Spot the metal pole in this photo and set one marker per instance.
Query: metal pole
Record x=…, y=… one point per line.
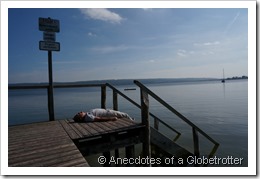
x=50, y=89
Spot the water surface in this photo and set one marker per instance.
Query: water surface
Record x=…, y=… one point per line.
x=221, y=110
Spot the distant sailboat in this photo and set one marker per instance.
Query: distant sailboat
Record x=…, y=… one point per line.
x=223, y=80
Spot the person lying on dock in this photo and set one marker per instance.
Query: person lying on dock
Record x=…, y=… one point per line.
x=99, y=115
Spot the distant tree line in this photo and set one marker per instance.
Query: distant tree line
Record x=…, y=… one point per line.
x=237, y=77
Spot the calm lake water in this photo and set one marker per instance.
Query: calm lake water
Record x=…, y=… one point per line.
x=221, y=110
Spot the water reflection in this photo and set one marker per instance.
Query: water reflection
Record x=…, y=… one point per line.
x=224, y=89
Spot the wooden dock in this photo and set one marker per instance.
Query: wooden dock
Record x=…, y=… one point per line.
x=62, y=143
x=65, y=142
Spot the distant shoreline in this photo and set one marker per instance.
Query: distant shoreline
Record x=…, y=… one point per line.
x=130, y=81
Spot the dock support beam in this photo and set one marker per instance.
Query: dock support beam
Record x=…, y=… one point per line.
x=146, y=122
x=107, y=157
x=130, y=153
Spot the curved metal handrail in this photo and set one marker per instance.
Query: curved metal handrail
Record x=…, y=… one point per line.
x=139, y=106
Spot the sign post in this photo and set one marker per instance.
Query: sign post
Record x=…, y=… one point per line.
x=49, y=26
x=50, y=89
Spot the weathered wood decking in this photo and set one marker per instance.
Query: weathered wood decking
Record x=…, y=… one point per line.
x=40, y=145
x=51, y=144
x=78, y=131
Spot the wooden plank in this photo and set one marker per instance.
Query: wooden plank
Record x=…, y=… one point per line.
x=90, y=130
x=116, y=127
x=81, y=164
x=104, y=127
x=119, y=123
x=71, y=124
x=34, y=146
x=33, y=142
x=73, y=134
x=36, y=133
x=40, y=158
x=111, y=125
x=46, y=150
x=28, y=127
x=43, y=144
x=42, y=136
x=72, y=163
x=56, y=161
x=124, y=128
x=125, y=122
x=93, y=129
x=83, y=131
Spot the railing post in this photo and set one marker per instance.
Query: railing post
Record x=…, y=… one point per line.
x=145, y=121
x=115, y=107
x=156, y=123
x=196, y=142
x=115, y=100
x=103, y=96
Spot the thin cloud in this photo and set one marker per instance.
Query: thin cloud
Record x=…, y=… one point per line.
x=182, y=53
x=90, y=34
x=207, y=43
x=110, y=49
x=102, y=14
x=232, y=22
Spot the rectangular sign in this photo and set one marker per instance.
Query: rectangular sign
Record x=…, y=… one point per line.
x=49, y=46
x=49, y=25
x=49, y=36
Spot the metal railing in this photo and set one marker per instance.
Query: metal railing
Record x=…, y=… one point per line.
x=145, y=92
x=116, y=92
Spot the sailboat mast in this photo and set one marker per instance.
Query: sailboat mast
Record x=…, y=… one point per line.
x=223, y=80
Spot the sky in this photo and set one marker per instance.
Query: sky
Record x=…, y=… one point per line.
x=134, y=43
